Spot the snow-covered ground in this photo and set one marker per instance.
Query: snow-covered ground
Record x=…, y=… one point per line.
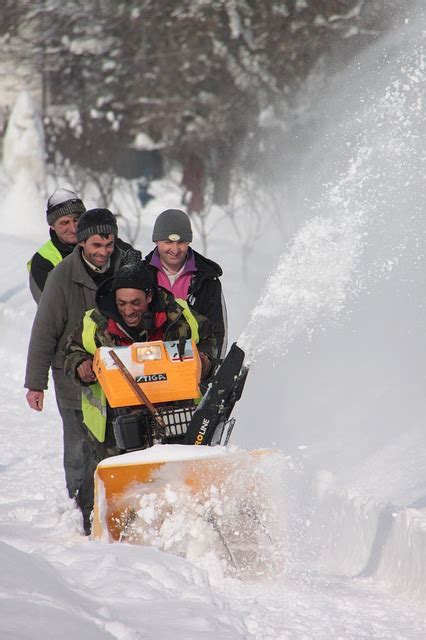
x=56, y=583
x=337, y=381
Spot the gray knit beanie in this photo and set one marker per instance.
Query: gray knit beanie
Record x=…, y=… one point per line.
x=63, y=202
x=172, y=224
x=96, y=222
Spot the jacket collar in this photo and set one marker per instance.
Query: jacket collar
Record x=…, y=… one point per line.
x=204, y=267
x=64, y=248
x=188, y=267
x=80, y=274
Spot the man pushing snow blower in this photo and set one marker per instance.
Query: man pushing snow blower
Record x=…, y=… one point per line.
x=129, y=309
x=140, y=357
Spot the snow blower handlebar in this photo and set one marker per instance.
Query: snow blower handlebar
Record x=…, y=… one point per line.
x=136, y=388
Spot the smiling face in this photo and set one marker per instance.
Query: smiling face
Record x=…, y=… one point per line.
x=132, y=304
x=65, y=228
x=172, y=254
x=98, y=249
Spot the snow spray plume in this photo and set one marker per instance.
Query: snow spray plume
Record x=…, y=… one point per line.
x=321, y=270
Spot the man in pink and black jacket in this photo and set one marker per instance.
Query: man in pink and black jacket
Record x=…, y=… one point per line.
x=186, y=273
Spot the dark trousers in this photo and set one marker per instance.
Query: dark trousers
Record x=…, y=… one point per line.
x=74, y=436
x=94, y=452
x=82, y=453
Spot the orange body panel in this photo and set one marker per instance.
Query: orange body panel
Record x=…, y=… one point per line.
x=164, y=380
x=114, y=483
x=110, y=485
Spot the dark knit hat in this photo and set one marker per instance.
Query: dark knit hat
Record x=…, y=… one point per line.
x=94, y=222
x=172, y=224
x=63, y=202
x=135, y=275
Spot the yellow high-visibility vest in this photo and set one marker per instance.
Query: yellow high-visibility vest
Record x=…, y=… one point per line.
x=190, y=318
x=50, y=253
x=93, y=400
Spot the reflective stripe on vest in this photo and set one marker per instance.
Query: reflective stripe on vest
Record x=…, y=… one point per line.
x=190, y=318
x=93, y=400
x=193, y=325
x=49, y=252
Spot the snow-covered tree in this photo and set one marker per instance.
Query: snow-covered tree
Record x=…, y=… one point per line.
x=195, y=75
x=23, y=164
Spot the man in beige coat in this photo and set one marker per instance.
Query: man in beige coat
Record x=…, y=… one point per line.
x=69, y=292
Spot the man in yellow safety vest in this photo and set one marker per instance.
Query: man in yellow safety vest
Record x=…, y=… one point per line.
x=130, y=308
x=64, y=208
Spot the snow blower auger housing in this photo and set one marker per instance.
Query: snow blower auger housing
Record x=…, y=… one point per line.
x=153, y=390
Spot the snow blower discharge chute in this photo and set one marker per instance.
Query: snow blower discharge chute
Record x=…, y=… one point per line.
x=153, y=390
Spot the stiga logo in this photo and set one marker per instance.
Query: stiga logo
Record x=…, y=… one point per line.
x=153, y=377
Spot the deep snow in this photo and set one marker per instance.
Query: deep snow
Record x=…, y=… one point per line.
x=56, y=583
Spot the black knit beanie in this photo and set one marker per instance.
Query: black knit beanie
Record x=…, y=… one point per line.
x=172, y=224
x=133, y=276
x=63, y=202
x=94, y=222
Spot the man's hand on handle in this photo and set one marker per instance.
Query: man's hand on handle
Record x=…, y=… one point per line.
x=205, y=364
x=85, y=371
x=35, y=399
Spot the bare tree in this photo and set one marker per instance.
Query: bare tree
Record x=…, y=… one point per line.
x=196, y=77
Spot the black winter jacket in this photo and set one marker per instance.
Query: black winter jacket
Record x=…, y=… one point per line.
x=205, y=296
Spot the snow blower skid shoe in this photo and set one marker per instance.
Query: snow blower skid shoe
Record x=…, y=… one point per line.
x=158, y=386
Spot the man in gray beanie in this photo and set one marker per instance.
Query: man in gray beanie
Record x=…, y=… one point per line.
x=64, y=207
x=172, y=222
x=69, y=292
x=186, y=273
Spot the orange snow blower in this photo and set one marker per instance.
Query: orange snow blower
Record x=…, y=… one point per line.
x=153, y=390
x=161, y=369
